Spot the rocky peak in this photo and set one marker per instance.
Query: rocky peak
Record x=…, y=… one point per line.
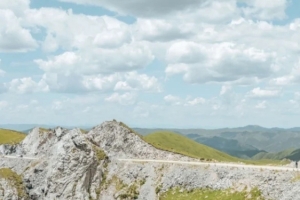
x=119, y=141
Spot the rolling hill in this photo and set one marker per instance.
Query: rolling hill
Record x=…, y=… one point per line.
x=10, y=137
x=177, y=143
x=291, y=154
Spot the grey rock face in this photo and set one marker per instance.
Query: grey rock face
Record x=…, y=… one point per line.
x=118, y=141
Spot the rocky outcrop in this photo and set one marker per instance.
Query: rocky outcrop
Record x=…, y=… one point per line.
x=117, y=140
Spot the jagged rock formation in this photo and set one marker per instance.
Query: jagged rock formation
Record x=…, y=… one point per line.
x=69, y=164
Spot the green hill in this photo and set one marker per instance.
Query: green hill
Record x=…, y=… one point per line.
x=292, y=154
x=173, y=142
x=10, y=137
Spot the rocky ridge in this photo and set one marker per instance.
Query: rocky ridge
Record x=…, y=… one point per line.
x=70, y=164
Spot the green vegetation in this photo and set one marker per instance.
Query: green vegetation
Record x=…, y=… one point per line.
x=177, y=143
x=11, y=137
x=43, y=131
x=124, y=191
x=83, y=131
x=14, y=180
x=291, y=154
x=274, y=156
x=100, y=154
x=173, y=142
x=296, y=178
x=208, y=194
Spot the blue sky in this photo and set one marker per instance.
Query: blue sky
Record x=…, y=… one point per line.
x=172, y=64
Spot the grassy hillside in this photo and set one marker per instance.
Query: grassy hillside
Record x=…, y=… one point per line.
x=177, y=143
x=173, y=142
x=264, y=139
x=10, y=137
x=292, y=154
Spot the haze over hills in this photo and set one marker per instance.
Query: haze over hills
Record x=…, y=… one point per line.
x=243, y=142
x=27, y=127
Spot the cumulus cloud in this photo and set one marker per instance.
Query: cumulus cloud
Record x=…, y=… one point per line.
x=53, y=82
x=175, y=100
x=26, y=85
x=17, y=6
x=62, y=29
x=263, y=93
x=196, y=101
x=123, y=99
x=13, y=37
x=131, y=81
x=225, y=89
x=261, y=105
x=160, y=30
x=98, y=61
x=218, y=62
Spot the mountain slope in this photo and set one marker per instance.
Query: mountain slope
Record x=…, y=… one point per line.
x=73, y=164
x=229, y=146
x=10, y=137
x=292, y=154
x=173, y=142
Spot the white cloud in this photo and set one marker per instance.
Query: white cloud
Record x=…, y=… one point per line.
x=13, y=37
x=196, y=101
x=135, y=81
x=17, y=6
x=175, y=100
x=261, y=105
x=63, y=31
x=263, y=93
x=225, y=89
x=95, y=60
x=122, y=82
x=223, y=62
x=123, y=99
x=160, y=30
x=26, y=85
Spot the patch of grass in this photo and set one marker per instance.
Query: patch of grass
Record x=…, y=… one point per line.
x=100, y=154
x=296, y=178
x=176, y=194
x=14, y=180
x=83, y=131
x=10, y=137
x=274, y=156
x=176, y=143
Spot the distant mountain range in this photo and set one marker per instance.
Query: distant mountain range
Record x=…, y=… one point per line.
x=27, y=127
x=243, y=142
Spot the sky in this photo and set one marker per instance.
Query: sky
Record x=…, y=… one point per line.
x=167, y=64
